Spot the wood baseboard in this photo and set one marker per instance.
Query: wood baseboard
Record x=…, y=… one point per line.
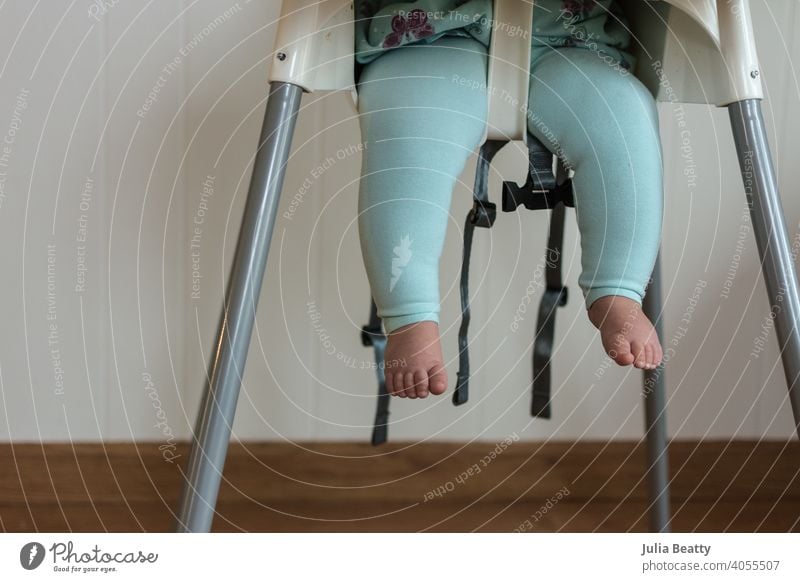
x=734, y=486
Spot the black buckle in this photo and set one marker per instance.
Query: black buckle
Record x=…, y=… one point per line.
x=528, y=196
x=483, y=214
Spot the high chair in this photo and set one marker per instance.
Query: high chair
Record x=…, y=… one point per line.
x=693, y=51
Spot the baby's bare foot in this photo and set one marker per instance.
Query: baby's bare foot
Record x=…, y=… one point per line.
x=413, y=361
x=628, y=336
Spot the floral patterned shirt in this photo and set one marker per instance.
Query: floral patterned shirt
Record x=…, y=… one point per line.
x=383, y=25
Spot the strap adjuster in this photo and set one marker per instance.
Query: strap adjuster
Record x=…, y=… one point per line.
x=483, y=213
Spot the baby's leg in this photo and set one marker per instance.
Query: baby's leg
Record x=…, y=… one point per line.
x=423, y=112
x=604, y=123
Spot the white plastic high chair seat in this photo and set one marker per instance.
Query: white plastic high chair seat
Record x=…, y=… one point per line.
x=687, y=51
x=693, y=51
x=316, y=51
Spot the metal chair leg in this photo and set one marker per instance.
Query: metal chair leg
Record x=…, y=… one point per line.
x=654, y=391
x=761, y=188
x=214, y=424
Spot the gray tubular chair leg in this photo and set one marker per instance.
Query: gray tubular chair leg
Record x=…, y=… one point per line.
x=213, y=430
x=654, y=392
x=761, y=188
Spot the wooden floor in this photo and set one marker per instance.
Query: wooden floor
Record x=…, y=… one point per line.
x=576, y=487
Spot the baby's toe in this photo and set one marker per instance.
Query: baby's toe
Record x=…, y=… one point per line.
x=655, y=358
x=408, y=384
x=639, y=355
x=437, y=379
x=421, y=382
x=649, y=357
x=620, y=351
x=399, y=389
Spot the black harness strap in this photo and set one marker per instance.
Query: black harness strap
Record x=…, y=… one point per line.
x=555, y=296
x=482, y=214
x=544, y=190
x=372, y=335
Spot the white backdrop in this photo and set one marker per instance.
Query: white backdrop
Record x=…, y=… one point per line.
x=129, y=131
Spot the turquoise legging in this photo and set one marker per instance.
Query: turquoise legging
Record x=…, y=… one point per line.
x=423, y=111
